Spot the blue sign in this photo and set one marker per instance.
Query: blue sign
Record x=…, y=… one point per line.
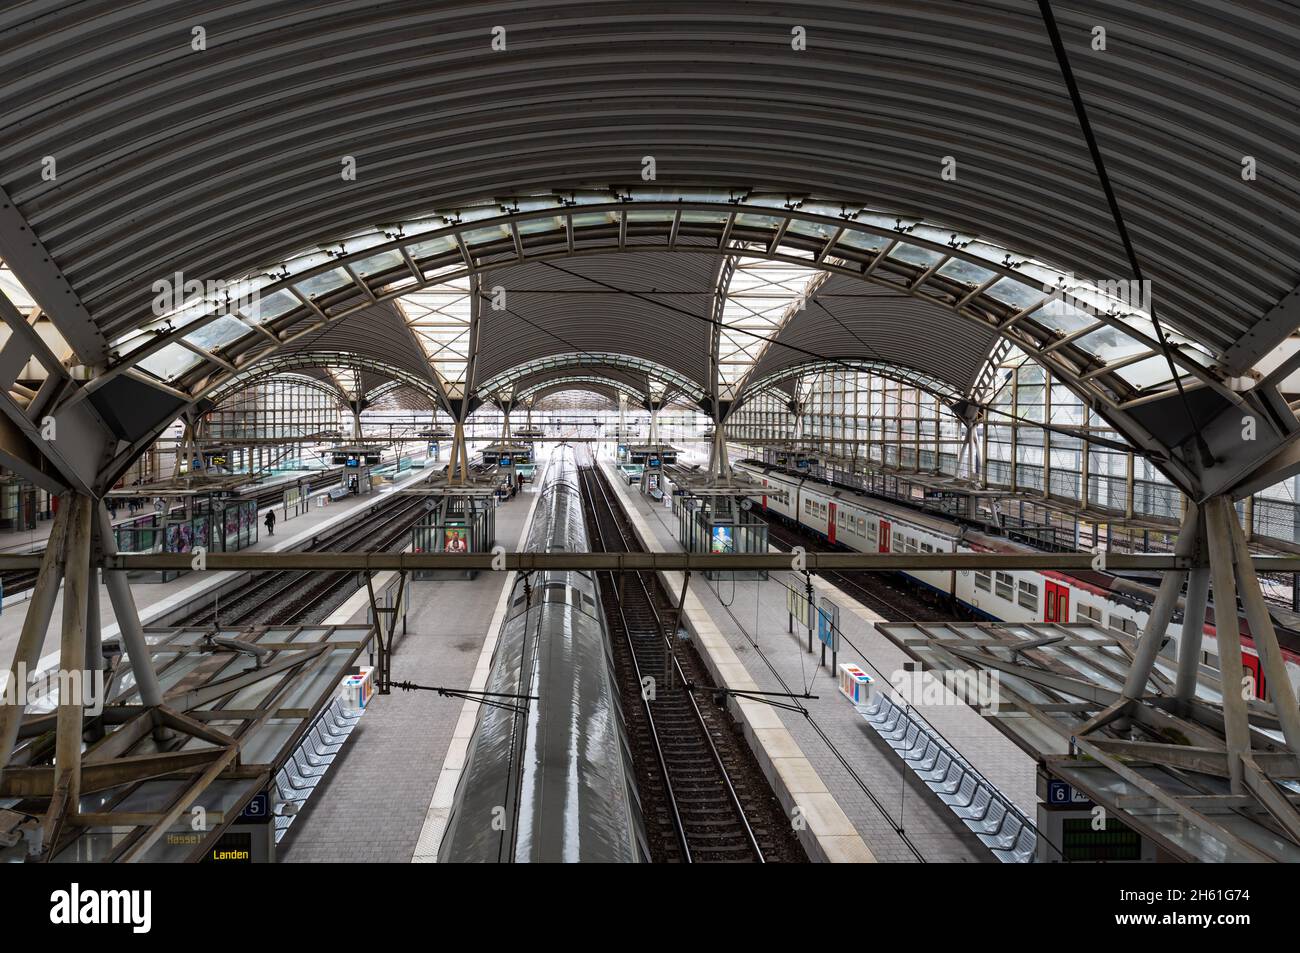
x=828, y=624
x=257, y=810
x=505, y=461
x=1060, y=792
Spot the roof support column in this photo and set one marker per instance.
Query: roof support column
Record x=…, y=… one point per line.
x=1265, y=637
x=719, y=463
x=128, y=619
x=1235, y=724
x=31, y=639
x=1162, y=612
x=1189, y=650
x=72, y=665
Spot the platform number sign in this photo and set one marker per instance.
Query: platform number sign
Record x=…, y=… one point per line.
x=257, y=810
x=1060, y=794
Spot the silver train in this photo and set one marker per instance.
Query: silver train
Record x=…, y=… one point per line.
x=551, y=780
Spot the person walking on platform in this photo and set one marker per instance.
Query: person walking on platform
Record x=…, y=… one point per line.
x=270, y=522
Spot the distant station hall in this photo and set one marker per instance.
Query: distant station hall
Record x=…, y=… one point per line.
x=672, y=433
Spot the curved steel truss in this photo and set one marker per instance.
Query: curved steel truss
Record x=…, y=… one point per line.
x=931, y=385
x=661, y=382
x=604, y=386
x=1099, y=343
x=298, y=360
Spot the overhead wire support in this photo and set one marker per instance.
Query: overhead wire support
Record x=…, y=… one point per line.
x=473, y=695
x=766, y=698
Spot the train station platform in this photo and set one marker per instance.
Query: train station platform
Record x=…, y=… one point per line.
x=879, y=794
x=19, y=542
x=158, y=601
x=383, y=800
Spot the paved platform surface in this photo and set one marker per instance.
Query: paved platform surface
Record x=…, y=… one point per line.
x=155, y=599
x=752, y=616
x=373, y=803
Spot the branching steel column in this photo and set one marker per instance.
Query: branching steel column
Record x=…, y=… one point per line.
x=36, y=624
x=1218, y=512
x=1261, y=630
x=1162, y=612
x=72, y=663
x=1189, y=651
x=128, y=618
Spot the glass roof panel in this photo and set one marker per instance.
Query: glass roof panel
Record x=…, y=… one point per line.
x=324, y=283
x=170, y=361
x=1142, y=374
x=762, y=296
x=915, y=255
x=1016, y=293
x=439, y=317
x=1063, y=317
x=272, y=306
x=962, y=270
x=862, y=241
x=1109, y=344
x=218, y=333
x=13, y=289
x=384, y=261
x=432, y=247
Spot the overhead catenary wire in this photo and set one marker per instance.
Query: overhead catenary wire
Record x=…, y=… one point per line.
x=1081, y=112
x=808, y=717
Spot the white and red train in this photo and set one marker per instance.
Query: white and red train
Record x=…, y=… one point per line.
x=859, y=522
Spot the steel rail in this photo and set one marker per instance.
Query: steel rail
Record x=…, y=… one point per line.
x=695, y=708
x=678, y=825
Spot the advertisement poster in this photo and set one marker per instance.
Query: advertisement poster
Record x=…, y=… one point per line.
x=454, y=540
x=722, y=540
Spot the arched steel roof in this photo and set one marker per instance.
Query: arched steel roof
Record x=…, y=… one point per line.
x=642, y=376
x=606, y=387
x=225, y=162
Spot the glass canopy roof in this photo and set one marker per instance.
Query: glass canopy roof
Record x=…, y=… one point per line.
x=761, y=297
x=425, y=264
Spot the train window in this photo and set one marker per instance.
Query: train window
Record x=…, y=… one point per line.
x=862, y=527
x=1029, y=596
x=1089, y=613
x=841, y=520
x=1006, y=586
x=898, y=543
x=911, y=545
x=983, y=580
x=1122, y=625
x=927, y=548
x=871, y=531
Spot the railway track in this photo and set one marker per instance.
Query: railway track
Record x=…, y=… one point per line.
x=704, y=797
x=284, y=596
